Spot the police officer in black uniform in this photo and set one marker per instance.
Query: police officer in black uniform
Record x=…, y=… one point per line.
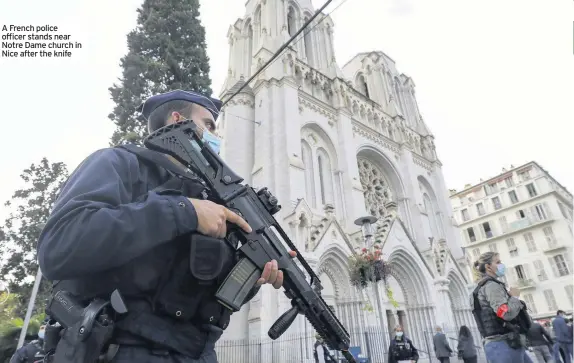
x=31, y=352
x=320, y=352
x=124, y=223
x=401, y=348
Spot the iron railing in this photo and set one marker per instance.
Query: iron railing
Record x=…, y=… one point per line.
x=298, y=348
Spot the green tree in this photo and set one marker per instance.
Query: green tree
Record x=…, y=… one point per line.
x=30, y=207
x=166, y=51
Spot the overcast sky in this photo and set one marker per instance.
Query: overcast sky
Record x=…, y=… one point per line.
x=494, y=77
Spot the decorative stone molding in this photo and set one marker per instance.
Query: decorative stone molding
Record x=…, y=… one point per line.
x=422, y=163
x=315, y=107
x=242, y=100
x=375, y=137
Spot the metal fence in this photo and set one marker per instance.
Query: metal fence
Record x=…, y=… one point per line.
x=298, y=348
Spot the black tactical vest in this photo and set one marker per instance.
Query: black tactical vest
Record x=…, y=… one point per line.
x=169, y=291
x=488, y=323
x=403, y=349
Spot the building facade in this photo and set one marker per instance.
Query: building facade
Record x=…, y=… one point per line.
x=335, y=144
x=526, y=216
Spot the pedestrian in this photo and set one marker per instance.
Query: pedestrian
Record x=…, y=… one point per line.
x=466, y=349
x=441, y=347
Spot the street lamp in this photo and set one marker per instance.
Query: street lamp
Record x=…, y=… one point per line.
x=367, y=227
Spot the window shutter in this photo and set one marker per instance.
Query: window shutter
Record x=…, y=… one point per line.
x=513, y=275
x=527, y=271
x=482, y=233
x=568, y=260
x=554, y=267
x=547, y=210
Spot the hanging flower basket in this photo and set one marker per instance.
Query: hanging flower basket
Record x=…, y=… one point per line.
x=367, y=267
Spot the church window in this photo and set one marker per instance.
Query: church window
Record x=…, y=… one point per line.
x=376, y=188
x=291, y=27
x=398, y=95
x=249, y=49
x=325, y=177
x=308, y=46
x=471, y=235
x=363, y=88
x=309, y=173
x=431, y=215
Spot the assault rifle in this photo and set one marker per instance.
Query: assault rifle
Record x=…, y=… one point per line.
x=181, y=141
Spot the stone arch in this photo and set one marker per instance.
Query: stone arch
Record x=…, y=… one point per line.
x=248, y=32
x=324, y=157
x=334, y=263
x=362, y=85
x=459, y=301
x=433, y=214
x=408, y=273
x=293, y=17
x=456, y=290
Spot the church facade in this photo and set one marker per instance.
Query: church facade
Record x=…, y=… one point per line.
x=334, y=144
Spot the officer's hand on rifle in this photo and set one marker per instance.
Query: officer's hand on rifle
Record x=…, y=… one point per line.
x=212, y=221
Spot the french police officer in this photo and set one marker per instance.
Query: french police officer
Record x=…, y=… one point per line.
x=123, y=223
x=499, y=314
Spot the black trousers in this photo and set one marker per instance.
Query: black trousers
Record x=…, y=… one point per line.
x=470, y=360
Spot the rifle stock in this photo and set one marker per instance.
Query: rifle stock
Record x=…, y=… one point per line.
x=262, y=245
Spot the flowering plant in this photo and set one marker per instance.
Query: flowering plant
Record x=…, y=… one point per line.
x=368, y=266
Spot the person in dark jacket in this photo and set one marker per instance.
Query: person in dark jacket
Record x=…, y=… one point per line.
x=499, y=308
x=401, y=348
x=540, y=342
x=123, y=223
x=466, y=349
x=442, y=349
x=31, y=352
x=563, y=336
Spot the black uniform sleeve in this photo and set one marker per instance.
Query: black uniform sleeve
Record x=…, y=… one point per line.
x=96, y=224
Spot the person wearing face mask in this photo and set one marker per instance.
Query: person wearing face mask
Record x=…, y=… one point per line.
x=32, y=352
x=500, y=315
x=401, y=348
x=125, y=220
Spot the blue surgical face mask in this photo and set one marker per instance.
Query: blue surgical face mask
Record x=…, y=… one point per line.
x=500, y=270
x=213, y=141
x=41, y=334
x=399, y=334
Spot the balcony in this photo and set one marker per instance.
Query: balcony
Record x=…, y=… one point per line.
x=554, y=246
x=525, y=284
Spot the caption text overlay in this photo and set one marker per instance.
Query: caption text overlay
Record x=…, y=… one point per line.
x=37, y=41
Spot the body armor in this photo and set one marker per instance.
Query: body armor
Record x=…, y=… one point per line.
x=403, y=350
x=488, y=323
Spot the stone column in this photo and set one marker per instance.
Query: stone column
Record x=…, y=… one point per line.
x=445, y=317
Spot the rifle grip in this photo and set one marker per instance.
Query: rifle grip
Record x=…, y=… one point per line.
x=238, y=284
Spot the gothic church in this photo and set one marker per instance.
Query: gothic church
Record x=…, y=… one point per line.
x=335, y=144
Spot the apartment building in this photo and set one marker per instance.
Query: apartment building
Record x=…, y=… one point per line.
x=525, y=215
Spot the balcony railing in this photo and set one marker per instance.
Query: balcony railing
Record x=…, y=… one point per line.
x=553, y=246
x=525, y=283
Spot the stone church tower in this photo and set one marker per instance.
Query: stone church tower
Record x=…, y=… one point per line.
x=335, y=144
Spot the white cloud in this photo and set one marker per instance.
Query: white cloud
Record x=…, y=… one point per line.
x=494, y=78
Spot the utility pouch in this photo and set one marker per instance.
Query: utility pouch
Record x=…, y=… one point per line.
x=514, y=340
x=52, y=336
x=210, y=259
x=72, y=347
